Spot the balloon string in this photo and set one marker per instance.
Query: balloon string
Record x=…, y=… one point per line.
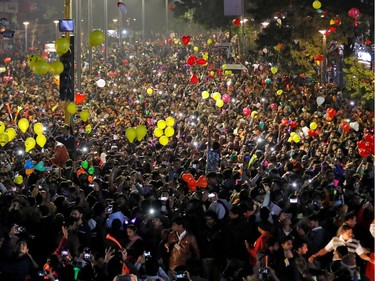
x=10, y=111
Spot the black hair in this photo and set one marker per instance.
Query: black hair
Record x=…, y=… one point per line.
x=179, y=220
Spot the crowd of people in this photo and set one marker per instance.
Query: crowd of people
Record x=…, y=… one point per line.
x=233, y=195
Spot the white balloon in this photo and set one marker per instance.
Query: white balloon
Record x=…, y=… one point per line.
x=354, y=126
x=320, y=100
x=100, y=83
x=305, y=131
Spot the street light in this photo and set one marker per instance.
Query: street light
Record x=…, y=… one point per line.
x=56, y=32
x=26, y=23
x=324, y=63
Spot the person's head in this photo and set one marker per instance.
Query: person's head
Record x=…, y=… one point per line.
x=264, y=226
x=300, y=246
x=340, y=252
x=345, y=231
x=313, y=221
x=178, y=224
x=211, y=218
x=286, y=243
x=350, y=219
x=131, y=230
x=77, y=213
x=272, y=244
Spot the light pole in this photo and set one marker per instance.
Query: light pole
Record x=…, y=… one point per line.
x=166, y=19
x=89, y=29
x=56, y=22
x=106, y=29
x=26, y=23
x=143, y=22
x=324, y=62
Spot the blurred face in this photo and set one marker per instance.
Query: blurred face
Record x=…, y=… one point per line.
x=130, y=232
x=303, y=250
x=347, y=234
x=76, y=214
x=288, y=245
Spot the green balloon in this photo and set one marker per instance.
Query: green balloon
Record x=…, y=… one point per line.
x=91, y=170
x=85, y=164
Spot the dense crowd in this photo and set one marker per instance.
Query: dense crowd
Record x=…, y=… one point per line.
x=269, y=186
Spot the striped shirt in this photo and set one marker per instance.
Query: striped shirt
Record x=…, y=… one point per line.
x=353, y=245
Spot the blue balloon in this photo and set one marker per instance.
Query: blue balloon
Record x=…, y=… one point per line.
x=29, y=164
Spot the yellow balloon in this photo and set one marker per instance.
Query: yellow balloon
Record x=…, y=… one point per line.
x=169, y=121
x=40, y=67
x=11, y=132
x=29, y=144
x=205, y=94
x=163, y=140
x=85, y=114
x=212, y=73
x=149, y=91
x=216, y=96
x=56, y=67
x=38, y=128
x=2, y=127
x=296, y=138
x=141, y=132
x=88, y=129
x=224, y=66
x=96, y=38
x=130, y=134
x=72, y=108
x=169, y=131
x=219, y=103
x=254, y=114
x=33, y=58
x=41, y=140
x=196, y=49
x=4, y=139
x=161, y=124
x=279, y=92
x=62, y=45
x=158, y=132
x=209, y=41
x=316, y=4
x=274, y=70
x=313, y=126
x=23, y=124
x=205, y=56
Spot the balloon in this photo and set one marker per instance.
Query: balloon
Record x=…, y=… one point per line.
x=158, y=132
x=284, y=121
x=96, y=38
x=205, y=94
x=369, y=138
x=7, y=60
x=141, y=132
x=331, y=112
x=185, y=39
x=254, y=114
x=40, y=167
x=191, y=60
x=56, y=67
x=279, y=92
x=246, y=111
x=23, y=124
x=345, y=127
x=29, y=144
x=40, y=67
x=62, y=45
x=193, y=79
x=273, y=106
x=192, y=184
x=163, y=140
x=219, y=103
x=354, y=13
x=226, y=98
x=274, y=70
x=91, y=170
x=216, y=96
x=169, y=131
x=29, y=164
x=293, y=124
x=2, y=127
x=85, y=164
x=161, y=124
x=196, y=49
x=85, y=114
x=4, y=139
x=296, y=138
x=122, y=7
x=18, y=179
x=100, y=83
x=72, y=108
x=311, y=133
x=363, y=153
x=88, y=128
x=38, y=128
x=268, y=80
x=11, y=133
x=130, y=134
x=354, y=126
x=149, y=91
x=316, y=5
x=41, y=140
x=170, y=121
x=209, y=41
x=236, y=22
x=320, y=100
x=202, y=182
x=56, y=80
x=90, y=178
x=79, y=98
x=33, y=58
x=201, y=61
x=313, y=126
x=186, y=177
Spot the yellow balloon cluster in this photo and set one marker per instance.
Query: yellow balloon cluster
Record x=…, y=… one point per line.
x=167, y=126
x=294, y=137
x=6, y=135
x=139, y=132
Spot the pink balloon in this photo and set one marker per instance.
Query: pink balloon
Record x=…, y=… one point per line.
x=246, y=111
x=273, y=106
x=354, y=13
x=225, y=98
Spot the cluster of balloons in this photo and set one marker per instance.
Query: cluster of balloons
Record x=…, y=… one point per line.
x=193, y=60
x=6, y=135
x=294, y=137
x=164, y=130
x=139, y=132
x=366, y=145
x=30, y=167
x=86, y=168
x=41, y=139
x=192, y=183
x=41, y=67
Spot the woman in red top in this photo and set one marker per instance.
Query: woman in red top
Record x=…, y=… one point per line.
x=260, y=243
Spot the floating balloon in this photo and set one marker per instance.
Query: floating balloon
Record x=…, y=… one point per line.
x=91, y=170
x=246, y=111
x=279, y=92
x=219, y=103
x=141, y=132
x=193, y=79
x=41, y=140
x=62, y=45
x=56, y=67
x=169, y=131
x=11, y=133
x=122, y=7
x=186, y=177
x=40, y=167
x=38, y=128
x=201, y=61
x=162, y=124
x=158, y=132
x=273, y=106
x=185, y=39
x=100, y=83
x=23, y=124
x=316, y=5
x=88, y=128
x=4, y=139
x=202, y=182
x=192, y=184
x=354, y=13
x=274, y=70
x=196, y=49
x=236, y=22
x=268, y=80
x=319, y=57
x=85, y=164
x=209, y=41
x=313, y=126
x=33, y=58
x=191, y=60
x=163, y=140
x=85, y=114
x=331, y=112
x=40, y=67
x=320, y=100
x=296, y=138
x=216, y=96
x=72, y=108
x=96, y=38
x=130, y=134
x=254, y=114
x=226, y=98
x=7, y=60
x=205, y=94
x=79, y=98
x=29, y=144
x=345, y=127
x=170, y=121
x=2, y=127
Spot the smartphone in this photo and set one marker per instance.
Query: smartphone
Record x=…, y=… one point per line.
x=64, y=253
x=180, y=275
x=43, y=272
x=20, y=229
x=211, y=195
x=109, y=209
x=293, y=200
x=86, y=254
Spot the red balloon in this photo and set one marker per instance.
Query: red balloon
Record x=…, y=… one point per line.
x=201, y=61
x=194, y=79
x=246, y=111
x=186, y=177
x=202, y=182
x=363, y=153
x=337, y=21
x=331, y=112
x=311, y=133
x=185, y=39
x=192, y=184
x=354, y=13
x=191, y=60
x=236, y=22
x=346, y=127
x=170, y=7
x=7, y=60
x=225, y=98
x=293, y=124
x=170, y=41
x=368, y=42
x=369, y=138
x=361, y=144
x=273, y=106
x=125, y=62
x=79, y=98
x=319, y=57
x=332, y=29
x=284, y=122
